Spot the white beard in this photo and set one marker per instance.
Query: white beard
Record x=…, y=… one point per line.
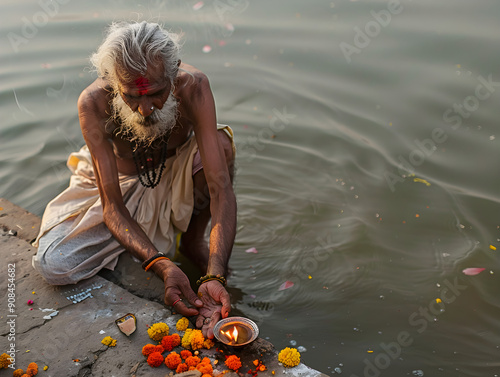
x=141, y=130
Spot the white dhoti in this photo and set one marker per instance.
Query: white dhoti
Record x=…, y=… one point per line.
x=74, y=243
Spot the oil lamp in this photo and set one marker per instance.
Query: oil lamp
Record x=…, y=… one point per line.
x=236, y=331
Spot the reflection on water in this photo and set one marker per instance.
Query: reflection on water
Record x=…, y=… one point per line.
x=368, y=185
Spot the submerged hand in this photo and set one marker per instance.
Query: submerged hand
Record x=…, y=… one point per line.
x=177, y=287
x=216, y=304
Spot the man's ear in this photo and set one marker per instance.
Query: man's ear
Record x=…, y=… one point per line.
x=178, y=62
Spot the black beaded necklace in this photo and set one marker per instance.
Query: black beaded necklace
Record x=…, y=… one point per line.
x=149, y=176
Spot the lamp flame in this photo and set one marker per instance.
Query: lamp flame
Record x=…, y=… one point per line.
x=231, y=336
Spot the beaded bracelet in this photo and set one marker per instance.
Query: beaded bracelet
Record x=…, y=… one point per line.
x=151, y=261
x=221, y=279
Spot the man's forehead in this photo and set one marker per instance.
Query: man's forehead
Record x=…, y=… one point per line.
x=143, y=84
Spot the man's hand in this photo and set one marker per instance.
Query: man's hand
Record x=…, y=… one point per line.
x=177, y=287
x=216, y=304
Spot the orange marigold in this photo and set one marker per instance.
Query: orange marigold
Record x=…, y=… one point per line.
x=32, y=369
x=5, y=361
x=173, y=360
x=207, y=375
x=208, y=343
x=18, y=373
x=155, y=359
x=159, y=348
x=205, y=360
x=148, y=349
x=181, y=368
x=233, y=362
x=170, y=341
x=205, y=368
x=25, y=375
x=185, y=354
x=193, y=361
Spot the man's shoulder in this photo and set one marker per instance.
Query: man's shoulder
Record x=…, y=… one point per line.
x=95, y=97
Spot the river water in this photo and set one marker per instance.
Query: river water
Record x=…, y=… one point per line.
x=367, y=168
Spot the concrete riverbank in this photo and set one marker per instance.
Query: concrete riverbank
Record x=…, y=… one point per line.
x=63, y=327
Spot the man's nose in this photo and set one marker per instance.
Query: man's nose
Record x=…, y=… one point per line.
x=146, y=108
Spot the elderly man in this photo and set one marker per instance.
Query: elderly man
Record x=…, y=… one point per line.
x=155, y=163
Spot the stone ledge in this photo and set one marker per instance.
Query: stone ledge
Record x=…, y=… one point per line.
x=81, y=315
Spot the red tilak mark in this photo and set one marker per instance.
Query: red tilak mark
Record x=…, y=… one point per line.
x=142, y=84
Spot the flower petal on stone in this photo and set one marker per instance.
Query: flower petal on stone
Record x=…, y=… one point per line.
x=252, y=250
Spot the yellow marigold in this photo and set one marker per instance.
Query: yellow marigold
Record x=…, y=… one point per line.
x=186, y=339
x=18, y=373
x=208, y=343
x=182, y=324
x=197, y=339
x=109, y=341
x=32, y=369
x=289, y=357
x=157, y=331
x=5, y=360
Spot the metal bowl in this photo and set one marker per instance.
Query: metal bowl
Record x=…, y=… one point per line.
x=236, y=321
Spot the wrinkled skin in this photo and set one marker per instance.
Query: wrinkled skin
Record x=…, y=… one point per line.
x=216, y=305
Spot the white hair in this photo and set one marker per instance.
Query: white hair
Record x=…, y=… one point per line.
x=130, y=48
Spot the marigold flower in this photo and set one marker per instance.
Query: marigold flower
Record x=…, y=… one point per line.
x=157, y=331
x=109, y=341
x=155, y=359
x=186, y=339
x=32, y=369
x=233, y=362
x=205, y=368
x=170, y=341
x=173, y=360
x=197, y=339
x=205, y=360
x=182, y=324
x=289, y=357
x=193, y=361
x=261, y=368
x=148, y=349
x=185, y=354
x=207, y=375
x=159, y=348
x=182, y=368
x=5, y=361
x=208, y=344
x=18, y=373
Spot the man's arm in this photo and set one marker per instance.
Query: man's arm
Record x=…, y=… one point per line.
x=222, y=198
x=115, y=214
x=215, y=298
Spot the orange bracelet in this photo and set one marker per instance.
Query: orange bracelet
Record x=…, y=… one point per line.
x=153, y=262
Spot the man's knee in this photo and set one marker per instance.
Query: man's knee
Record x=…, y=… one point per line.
x=227, y=145
x=52, y=265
